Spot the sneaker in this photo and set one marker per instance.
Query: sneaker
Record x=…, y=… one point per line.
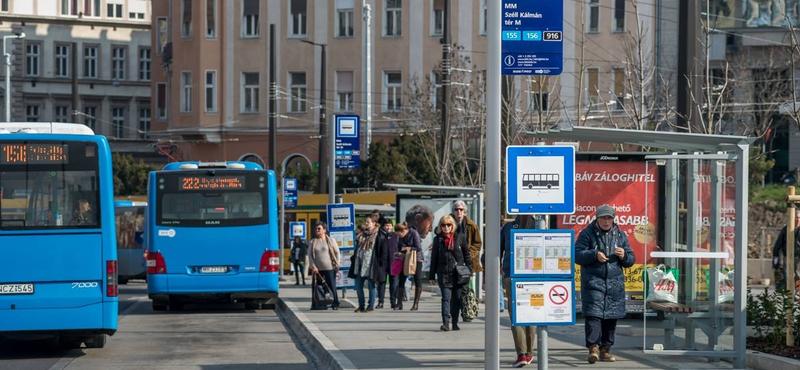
x=379, y=305
x=358, y=310
x=529, y=359
x=521, y=361
x=370, y=309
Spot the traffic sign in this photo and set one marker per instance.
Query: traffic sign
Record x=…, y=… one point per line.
x=540, y=179
x=298, y=228
x=538, y=302
x=532, y=37
x=341, y=217
x=289, y=193
x=348, y=146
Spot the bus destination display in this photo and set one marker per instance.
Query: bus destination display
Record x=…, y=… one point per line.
x=34, y=154
x=211, y=183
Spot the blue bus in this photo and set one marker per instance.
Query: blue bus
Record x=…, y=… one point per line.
x=129, y=216
x=211, y=234
x=59, y=276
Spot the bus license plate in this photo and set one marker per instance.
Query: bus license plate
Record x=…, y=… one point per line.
x=213, y=269
x=16, y=289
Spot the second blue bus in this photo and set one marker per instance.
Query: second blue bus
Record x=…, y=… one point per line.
x=212, y=234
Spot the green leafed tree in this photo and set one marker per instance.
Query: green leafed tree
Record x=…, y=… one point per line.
x=130, y=176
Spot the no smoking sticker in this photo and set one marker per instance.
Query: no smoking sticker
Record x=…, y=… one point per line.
x=540, y=302
x=559, y=295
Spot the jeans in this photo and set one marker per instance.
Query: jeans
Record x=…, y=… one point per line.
x=360, y=291
x=451, y=302
x=392, y=290
x=523, y=335
x=298, y=271
x=330, y=278
x=599, y=331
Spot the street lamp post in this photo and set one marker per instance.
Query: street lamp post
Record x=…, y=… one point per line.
x=16, y=35
x=322, y=120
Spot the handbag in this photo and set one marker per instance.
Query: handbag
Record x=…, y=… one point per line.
x=322, y=293
x=464, y=274
x=410, y=263
x=397, y=267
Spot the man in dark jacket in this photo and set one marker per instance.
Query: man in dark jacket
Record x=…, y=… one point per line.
x=602, y=251
x=779, y=255
x=386, y=233
x=297, y=256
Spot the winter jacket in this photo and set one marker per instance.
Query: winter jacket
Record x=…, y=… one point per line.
x=470, y=229
x=444, y=262
x=602, y=284
x=303, y=250
x=413, y=240
x=379, y=257
x=392, y=247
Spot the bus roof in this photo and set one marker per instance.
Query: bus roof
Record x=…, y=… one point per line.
x=45, y=128
x=176, y=166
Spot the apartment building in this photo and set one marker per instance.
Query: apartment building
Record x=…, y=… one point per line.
x=211, y=94
x=85, y=61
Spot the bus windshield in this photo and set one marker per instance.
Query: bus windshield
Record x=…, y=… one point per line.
x=207, y=201
x=49, y=191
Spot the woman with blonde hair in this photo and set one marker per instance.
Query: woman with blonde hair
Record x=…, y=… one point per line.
x=450, y=250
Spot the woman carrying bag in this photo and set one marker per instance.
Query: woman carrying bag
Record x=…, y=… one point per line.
x=323, y=256
x=451, y=263
x=410, y=245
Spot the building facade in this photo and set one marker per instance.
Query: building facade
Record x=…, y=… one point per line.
x=82, y=61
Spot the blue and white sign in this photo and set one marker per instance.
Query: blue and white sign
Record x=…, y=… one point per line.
x=348, y=145
x=532, y=39
x=540, y=179
x=543, y=254
x=341, y=217
x=289, y=193
x=298, y=228
x=538, y=302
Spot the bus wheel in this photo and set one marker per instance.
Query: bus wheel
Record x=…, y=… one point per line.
x=69, y=342
x=252, y=305
x=158, y=306
x=176, y=306
x=96, y=341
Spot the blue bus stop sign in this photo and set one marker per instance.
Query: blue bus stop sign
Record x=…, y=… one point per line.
x=540, y=179
x=348, y=145
x=290, y=193
x=533, y=37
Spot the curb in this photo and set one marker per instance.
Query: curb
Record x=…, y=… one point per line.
x=326, y=354
x=763, y=361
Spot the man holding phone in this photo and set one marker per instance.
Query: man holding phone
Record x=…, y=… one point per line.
x=602, y=251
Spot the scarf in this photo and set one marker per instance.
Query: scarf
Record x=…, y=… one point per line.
x=448, y=241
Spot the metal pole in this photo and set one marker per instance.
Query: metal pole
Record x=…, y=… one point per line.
x=322, y=120
x=493, y=150
x=688, y=51
x=445, y=72
x=75, y=91
x=8, y=80
x=740, y=259
x=790, y=284
x=692, y=180
x=273, y=113
x=541, y=344
x=368, y=74
x=283, y=215
x=332, y=163
x=671, y=212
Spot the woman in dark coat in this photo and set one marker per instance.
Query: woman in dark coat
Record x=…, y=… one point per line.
x=449, y=250
x=602, y=251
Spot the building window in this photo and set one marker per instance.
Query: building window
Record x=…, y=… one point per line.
x=436, y=89
x=91, y=8
x=344, y=91
x=32, y=54
x=163, y=34
x=69, y=7
x=62, y=60
x=250, y=18
x=144, y=64
x=114, y=10
x=297, y=22
x=211, y=19
x=32, y=113
x=90, y=117
x=393, y=18
x=118, y=122
x=344, y=18
x=298, y=92
x=211, y=91
x=118, y=63
x=4, y=6
x=250, y=92
x=619, y=15
x=539, y=97
x=594, y=15
x=484, y=17
x=90, y=62
x=437, y=18
x=186, y=92
x=61, y=113
x=392, y=87
x=540, y=100
x=592, y=80
x=144, y=123
x=161, y=100
x=186, y=20
x=619, y=88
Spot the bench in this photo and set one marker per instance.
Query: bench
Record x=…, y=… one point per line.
x=690, y=319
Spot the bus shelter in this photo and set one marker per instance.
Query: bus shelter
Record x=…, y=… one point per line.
x=696, y=265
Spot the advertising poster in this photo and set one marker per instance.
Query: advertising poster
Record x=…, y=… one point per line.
x=543, y=302
x=631, y=188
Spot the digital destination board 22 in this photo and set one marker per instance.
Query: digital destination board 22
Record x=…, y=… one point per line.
x=34, y=154
x=211, y=183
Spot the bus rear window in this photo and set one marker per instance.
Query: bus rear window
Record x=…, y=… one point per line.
x=211, y=209
x=44, y=194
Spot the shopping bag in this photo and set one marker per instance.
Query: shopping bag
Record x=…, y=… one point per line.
x=725, y=287
x=469, y=304
x=663, y=286
x=410, y=263
x=397, y=267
